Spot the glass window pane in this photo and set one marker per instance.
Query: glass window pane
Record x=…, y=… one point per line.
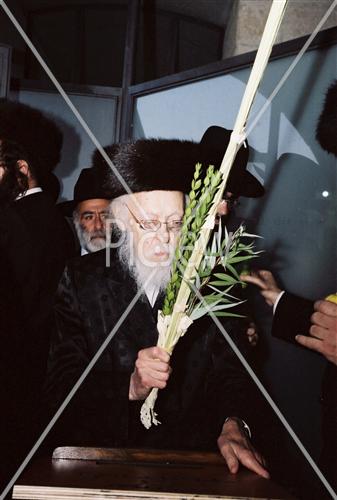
x=56, y=36
x=177, y=36
x=82, y=44
x=104, y=33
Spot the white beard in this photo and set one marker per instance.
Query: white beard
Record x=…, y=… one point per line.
x=86, y=241
x=160, y=272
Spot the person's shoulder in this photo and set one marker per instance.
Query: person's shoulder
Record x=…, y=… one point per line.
x=94, y=262
x=35, y=207
x=292, y=303
x=34, y=200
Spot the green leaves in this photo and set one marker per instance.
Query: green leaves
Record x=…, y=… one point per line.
x=225, y=252
x=200, y=200
x=217, y=272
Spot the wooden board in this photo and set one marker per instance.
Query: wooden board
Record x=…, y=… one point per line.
x=39, y=493
x=137, y=455
x=139, y=474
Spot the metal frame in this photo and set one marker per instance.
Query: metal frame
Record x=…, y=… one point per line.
x=176, y=20
x=85, y=90
x=324, y=38
x=80, y=10
x=5, y=69
x=128, y=94
x=128, y=69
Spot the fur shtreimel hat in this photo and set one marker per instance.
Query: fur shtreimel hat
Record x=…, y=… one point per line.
x=326, y=131
x=169, y=164
x=151, y=164
x=38, y=135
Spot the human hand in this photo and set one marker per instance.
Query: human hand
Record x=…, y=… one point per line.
x=236, y=448
x=266, y=281
x=152, y=369
x=323, y=331
x=252, y=334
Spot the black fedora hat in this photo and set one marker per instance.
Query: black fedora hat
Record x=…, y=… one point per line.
x=213, y=144
x=327, y=123
x=91, y=185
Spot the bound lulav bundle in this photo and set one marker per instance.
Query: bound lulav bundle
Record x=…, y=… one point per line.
x=185, y=300
x=190, y=266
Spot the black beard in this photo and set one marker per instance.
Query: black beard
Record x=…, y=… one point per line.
x=11, y=185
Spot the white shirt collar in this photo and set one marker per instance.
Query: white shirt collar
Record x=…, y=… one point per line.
x=28, y=192
x=151, y=293
x=83, y=251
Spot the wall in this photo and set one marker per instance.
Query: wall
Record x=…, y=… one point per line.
x=98, y=112
x=297, y=215
x=248, y=18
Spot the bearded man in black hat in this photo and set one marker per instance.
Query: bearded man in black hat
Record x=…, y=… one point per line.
x=35, y=242
x=89, y=209
x=207, y=397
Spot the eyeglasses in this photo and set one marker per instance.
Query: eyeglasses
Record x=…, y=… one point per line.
x=154, y=225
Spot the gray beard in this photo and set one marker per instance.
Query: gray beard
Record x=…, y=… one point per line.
x=86, y=241
x=160, y=273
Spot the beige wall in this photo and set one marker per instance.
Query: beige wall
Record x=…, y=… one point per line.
x=248, y=18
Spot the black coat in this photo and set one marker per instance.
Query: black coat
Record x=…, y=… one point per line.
x=35, y=242
x=207, y=383
x=292, y=317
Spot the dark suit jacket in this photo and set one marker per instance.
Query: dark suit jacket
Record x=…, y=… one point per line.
x=34, y=245
x=207, y=384
x=292, y=317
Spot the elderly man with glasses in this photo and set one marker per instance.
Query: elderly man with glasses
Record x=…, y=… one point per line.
x=207, y=397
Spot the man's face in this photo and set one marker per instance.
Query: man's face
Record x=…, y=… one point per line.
x=90, y=217
x=146, y=211
x=227, y=204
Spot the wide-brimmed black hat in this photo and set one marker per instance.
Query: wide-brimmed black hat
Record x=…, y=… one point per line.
x=326, y=130
x=240, y=182
x=91, y=184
